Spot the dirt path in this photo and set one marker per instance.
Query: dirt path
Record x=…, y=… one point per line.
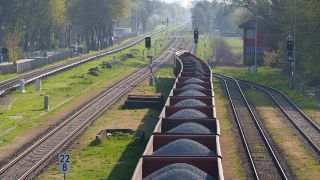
x=231, y=159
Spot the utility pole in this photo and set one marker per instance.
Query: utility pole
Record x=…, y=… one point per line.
x=256, y=42
x=294, y=44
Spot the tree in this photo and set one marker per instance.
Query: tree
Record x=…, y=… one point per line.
x=202, y=15
x=278, y=19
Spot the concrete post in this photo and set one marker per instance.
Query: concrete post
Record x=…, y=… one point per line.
x=46, y=103
x=22, y=86
x=151, y=80
x=38, y=85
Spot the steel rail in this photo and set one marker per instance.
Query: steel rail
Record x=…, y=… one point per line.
x=265, y=139
x=267, y=90
x=132, y=79
x=286, y=97
x=12, y=84
x=244, y=140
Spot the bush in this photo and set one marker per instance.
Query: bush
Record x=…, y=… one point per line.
x=223, y=53
x=271, y=58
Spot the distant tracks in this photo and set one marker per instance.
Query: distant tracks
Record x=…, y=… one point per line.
x=12, y=84
x=261, y=156
x=308, y=129
x=30, y=161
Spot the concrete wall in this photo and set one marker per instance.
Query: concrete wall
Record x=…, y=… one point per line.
x=31, y=64
x=6, y=68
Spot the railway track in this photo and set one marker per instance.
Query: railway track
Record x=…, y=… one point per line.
x=190, y=47
x=12, y=84
x=261, y=156
x=33, y=159
x=307, y=128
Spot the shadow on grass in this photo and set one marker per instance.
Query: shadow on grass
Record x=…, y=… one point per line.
x=164, y=86
x=130, y=156
x=132, y=153
x=39, y=109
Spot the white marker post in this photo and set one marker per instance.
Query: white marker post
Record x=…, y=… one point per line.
x=64, y=164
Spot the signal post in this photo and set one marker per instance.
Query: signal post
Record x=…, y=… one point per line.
x=196, y=37
x=148, y=46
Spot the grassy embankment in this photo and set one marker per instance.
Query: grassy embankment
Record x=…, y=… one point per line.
x=231, y=161
x=4, y=77
x=302, y=164
x=115, y=158
x=25, y=111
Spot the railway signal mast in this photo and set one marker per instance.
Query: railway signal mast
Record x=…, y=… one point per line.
x=290, y=53
x=196, y=37
x=148, y=46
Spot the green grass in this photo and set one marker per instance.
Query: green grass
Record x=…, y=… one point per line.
x=4, y=77
x=118, y=157
x=27, y=109
x=300, y=161
x=205, y=50
x=227, y=132
x=236, y=44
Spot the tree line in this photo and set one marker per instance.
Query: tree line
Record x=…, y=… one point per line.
x=32, y=25
x=212, y=16
x=281, y=17
x=277, y=17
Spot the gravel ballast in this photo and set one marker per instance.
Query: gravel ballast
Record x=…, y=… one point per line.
x=189, y=114
x=191, y=93
x=179, y=171
x=190, y=128
x=190, y=102
x=189, y=59
x=184, y=147
x=194, y=80
x=192, y=86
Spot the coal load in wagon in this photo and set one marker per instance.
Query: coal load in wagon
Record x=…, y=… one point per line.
x=189, y=59
x=179, y=171
x=192, y=86
x=194, y=80
x=200, y=70
x=190, y=128
x=189, y=114
x=184, y=147
x=190, y=102
x=197, y=74
x=191, y=93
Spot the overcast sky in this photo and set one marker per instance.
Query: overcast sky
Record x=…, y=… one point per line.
x=185, y=3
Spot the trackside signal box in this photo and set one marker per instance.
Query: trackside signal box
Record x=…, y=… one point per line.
x=290, y=47
x=148, y=42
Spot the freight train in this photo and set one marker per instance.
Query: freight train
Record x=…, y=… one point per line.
x=186, y=140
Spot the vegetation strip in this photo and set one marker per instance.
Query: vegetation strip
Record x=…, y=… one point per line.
x=295, y=151
x=98, y=106
x=263, y=159
x=115, y=158
x=29, y=105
